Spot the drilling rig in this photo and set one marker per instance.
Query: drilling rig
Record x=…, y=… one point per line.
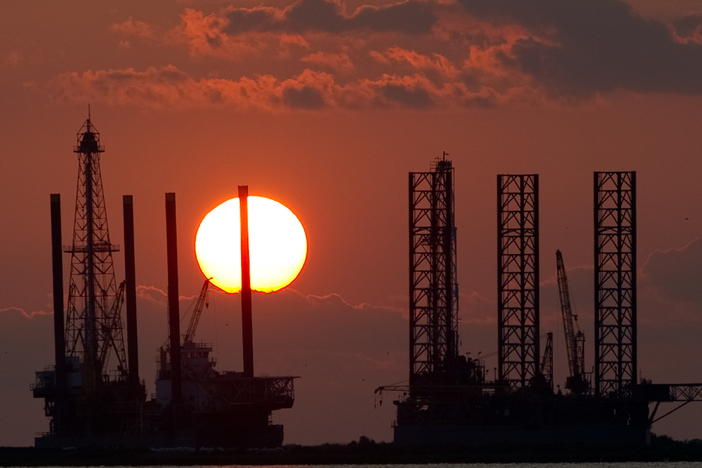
x=196, y=404
x=448, y=400
x=93, y=394
x=576, y=381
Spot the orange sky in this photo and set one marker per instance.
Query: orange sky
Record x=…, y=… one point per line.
x=326, y=110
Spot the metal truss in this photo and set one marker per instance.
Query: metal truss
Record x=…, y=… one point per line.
x=685, y=392
x=682, y=394
x=94, y=322
x=432, y=278
x=518, y=278
x=615, y=282
x=547, y=361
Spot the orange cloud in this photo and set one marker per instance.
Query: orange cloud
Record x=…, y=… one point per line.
x=409, y=16
x=133, y=28
x=169, y=87
x=340, y=61
x=434, y=63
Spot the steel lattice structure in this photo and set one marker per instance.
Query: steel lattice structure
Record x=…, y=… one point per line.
x=615, y=281
x=433, y=287
x=547, y=361
x=94, y=331
x=574, y=337
x=518, y=278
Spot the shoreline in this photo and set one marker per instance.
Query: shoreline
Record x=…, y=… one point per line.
x=361, y=453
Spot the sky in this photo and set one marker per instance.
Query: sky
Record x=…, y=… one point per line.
x=325, y=106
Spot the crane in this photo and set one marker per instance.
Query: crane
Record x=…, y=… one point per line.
x=198, y=307
x=547, y=361
x=574, y=337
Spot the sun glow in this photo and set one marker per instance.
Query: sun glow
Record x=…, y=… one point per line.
x=277, y=245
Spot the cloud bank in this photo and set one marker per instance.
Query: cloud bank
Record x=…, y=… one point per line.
x=415, y=54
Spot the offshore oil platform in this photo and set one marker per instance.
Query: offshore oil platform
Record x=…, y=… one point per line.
x=95, y=397
x=449, y=401
x=93, y=394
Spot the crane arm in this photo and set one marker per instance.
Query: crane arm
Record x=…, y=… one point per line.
x=547, y=360
x=200, y=304
x=568, y=318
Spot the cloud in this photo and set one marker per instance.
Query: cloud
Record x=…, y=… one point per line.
x=26, y=313
x=675, y=273
x=413, y=95
x=340, y=62
x=689, y=27
x=304, y=97
x=133, y=28
x=410, y=17
x=583, y=47
x=11, y=58
x=436, y=64
x=475, y=53
x=169, y=87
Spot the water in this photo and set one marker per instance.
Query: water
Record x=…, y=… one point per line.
x=464, y=465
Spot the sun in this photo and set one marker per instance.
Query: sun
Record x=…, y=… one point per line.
x=277, y=245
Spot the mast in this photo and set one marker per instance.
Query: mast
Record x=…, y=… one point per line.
x=94, y=331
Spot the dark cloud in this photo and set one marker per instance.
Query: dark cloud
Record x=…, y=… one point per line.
x=688, y=25
x=168, y=87
x=410, y=96
x=676, y=273
x=412, y=17
x=306, y=97
x=251, y=19
x=409, y=17
x=582, y=47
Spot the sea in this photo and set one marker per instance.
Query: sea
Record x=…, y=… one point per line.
x=658, y=464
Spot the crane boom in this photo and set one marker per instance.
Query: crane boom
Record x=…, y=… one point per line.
x=547, y=361
x=200, y=304
x=575, y=339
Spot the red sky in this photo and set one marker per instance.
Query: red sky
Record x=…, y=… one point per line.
x=326, y=106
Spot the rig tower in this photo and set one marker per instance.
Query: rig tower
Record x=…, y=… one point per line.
x=448, y=400
x=90, y=395
x=518, y=279
x=615, y=282
x=94, y=322
x=432, y=277
x=440, y=378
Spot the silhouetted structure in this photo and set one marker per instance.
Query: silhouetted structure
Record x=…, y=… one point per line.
x=615, y=282
x=93, y=395
x=546, y=368
x=130, y=292
x=196, y=405
x=576, y=381
x=449, y=401
x=440, y=377
x=246, y=317
x=89, y=394
x=433, y=288
x=518, y=279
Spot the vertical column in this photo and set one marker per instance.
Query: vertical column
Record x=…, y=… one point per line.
x=518, y=278
x=432, y=279
x=130, y=299
x=59, y=336
x=173, y=305
x=246, y=318
x=615, y=281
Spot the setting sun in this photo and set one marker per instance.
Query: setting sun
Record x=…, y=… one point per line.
x=277, y=243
